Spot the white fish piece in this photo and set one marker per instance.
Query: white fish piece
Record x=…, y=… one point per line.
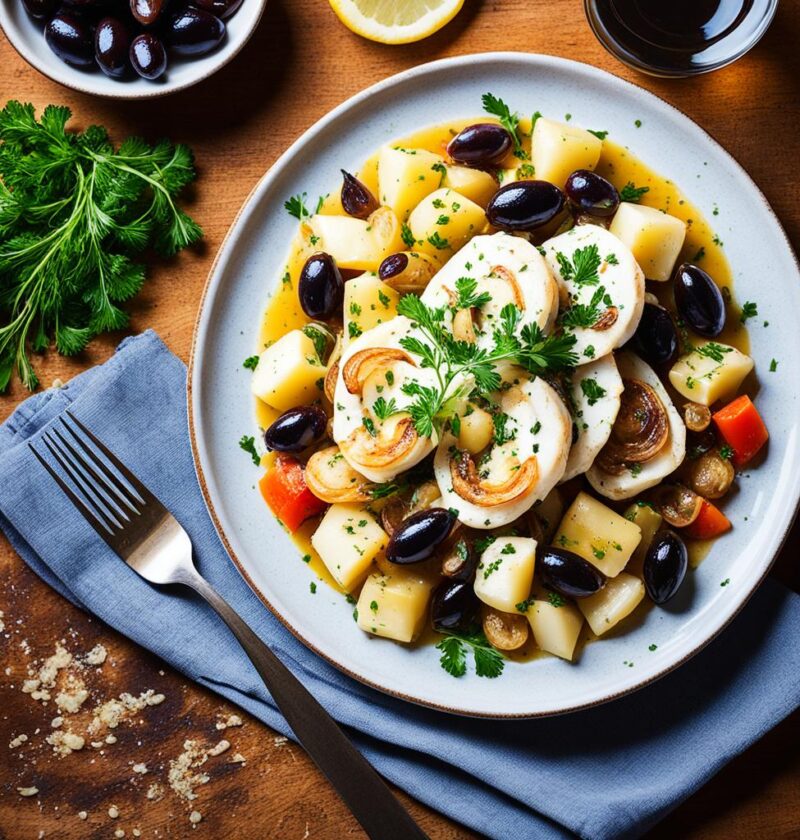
x=588, y=262
x=596, y=390
x=541, y=429
x=667, y=460
x=355, y=417
x=509, y=269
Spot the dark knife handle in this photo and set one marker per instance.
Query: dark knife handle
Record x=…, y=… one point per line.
x=352, y=776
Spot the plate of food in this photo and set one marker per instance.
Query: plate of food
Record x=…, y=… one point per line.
x=503, y=341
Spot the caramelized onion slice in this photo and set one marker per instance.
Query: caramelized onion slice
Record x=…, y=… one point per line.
x=696, y=417
x=500, y=272
x=393, y=444
x=359, y=366
x=606, y=320
x=472, y=488
x=329, y=386
x=679, y=505
x=330, y=478
x=504, y=630
x=463, y=326
x=640, y=431
x=711, y=475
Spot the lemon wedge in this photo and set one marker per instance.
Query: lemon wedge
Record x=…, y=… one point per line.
x=395, y=21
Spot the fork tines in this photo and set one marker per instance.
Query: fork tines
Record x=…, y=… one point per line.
x=104, y=490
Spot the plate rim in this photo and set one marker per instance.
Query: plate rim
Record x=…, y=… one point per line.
x=215, y=276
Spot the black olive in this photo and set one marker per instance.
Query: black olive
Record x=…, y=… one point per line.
x=656, y=338
x=525, y=205
x=70, y=38
x=40, y=9
x=418, y=536
x=321, y=288
x=111, y=47
x=357, y=200
x=296, y=429
x=221, y=8
x=194, y=32
x=454, y=605
x=569, y=574
x=482, y=144
x=699, y=300
x=665, y=566
x=147, y=12
x=590, y=193
x=148, y=56
x=392, y=266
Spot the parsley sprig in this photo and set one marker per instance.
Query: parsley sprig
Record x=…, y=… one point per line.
x=489, y=661
x=510, y=121
x=73, y=214
x=456, y=362
x=583, y=268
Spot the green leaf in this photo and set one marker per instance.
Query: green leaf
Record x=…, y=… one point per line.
x=630, y=192
x=248, y=444
x=454, y=656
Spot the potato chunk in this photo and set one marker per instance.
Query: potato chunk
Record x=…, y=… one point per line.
x=505, y=572
x=711, y=372
x=649, y=520
x=476, y=430
x=444, y=221
x=395, y=605
x=406, y=176
x=598, y=534
x=288, y=372
x=357, y=243
x=474, y=184
x=368, y=301
x=559, y=149
x=655, y=238
x=555, y=629
x=347, y=540
x=615, y=601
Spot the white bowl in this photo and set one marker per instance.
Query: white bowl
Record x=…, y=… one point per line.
x=250, y=262
x=27, y=37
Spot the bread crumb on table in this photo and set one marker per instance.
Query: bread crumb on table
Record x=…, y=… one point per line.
x=27, y=791
x=113, y=812
x=18, y=741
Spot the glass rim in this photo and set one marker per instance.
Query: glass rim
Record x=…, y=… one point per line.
x=613, y=48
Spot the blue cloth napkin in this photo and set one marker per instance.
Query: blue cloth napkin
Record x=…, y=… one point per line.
x=608, y=772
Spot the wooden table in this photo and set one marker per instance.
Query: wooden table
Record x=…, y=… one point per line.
x=299, y=64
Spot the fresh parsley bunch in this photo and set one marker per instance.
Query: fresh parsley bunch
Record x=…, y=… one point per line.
x=73, y=213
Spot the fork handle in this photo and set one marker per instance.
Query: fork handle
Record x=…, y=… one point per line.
x=364, y=792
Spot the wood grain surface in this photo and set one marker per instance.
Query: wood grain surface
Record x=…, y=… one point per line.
x=300, y=63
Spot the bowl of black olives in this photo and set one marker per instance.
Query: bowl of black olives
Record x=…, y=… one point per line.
x=129, y=49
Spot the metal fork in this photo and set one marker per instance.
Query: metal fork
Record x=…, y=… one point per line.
x=138, y=528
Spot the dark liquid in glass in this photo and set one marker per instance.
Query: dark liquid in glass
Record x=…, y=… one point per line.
x=678, y=37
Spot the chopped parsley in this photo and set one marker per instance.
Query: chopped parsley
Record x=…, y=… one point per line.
x=496, y=107
x=773, y=366
x=407, y=236
x=353, y=330
x=583, y=268
x=508, y=548
x=438, y=242
x=383, y=409
x=592, y=391
x=714, y=351
x=466, y=297
x=369, y=426
x=600, y=135
x=555, y=599
x=630, y=192
x=749, y=310
x=489, y=662
x=248, y=444
x=584, y=314
x=250, y=362
x=501, y=433
x=726, y=452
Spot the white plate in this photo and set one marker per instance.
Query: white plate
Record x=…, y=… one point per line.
x=27, y=37
x=250, y=264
